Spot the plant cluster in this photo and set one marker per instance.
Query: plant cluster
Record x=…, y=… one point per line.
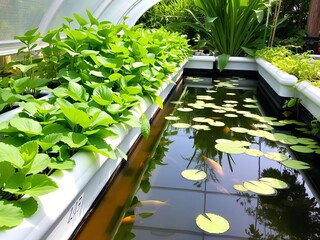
x=168, y=12
x=303, y=66
x=100, y=72
x=231, y=25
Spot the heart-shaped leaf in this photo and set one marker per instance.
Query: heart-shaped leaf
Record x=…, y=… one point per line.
x=212, y=223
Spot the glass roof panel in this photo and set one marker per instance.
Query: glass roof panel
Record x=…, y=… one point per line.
x=69, y=7
x=18, y=16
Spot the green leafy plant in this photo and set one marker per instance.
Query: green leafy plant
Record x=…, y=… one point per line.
x=303, y=66
x=102, y=72
x=230, y=26
x=21, y=180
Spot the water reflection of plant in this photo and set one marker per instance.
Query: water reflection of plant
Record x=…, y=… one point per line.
x=291, y=214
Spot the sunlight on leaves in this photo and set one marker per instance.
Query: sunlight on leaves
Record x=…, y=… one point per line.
x=295, y=164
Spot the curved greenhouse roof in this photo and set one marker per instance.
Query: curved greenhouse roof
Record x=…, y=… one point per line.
x=18, y=16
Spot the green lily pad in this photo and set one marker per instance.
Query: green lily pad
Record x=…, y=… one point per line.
x=250, y=100
x=276, y=156
x=200, y=119
x=259, y=187
x=301, y=149
x=194, y=174
x=176, y=102
x=181, y=125
x=231, y=115
x=229, y=148
x=185, y=109
x=254, y=152
x=231, y=94
x=306, y=141
x=295, y=164
x=239, y=129
x=240, y=188
x=216, y=123
x=212, y=223
x=172, y=118
x=200, y=127
x=250, y=106
x=218, y=111
x=275, y=183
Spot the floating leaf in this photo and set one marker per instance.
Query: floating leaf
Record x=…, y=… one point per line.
x=239, y=129
x=229, y=148
x=193, y=174
x=302, y=149
x=181, y=125
x=240, y=188
x=216, y=123
x=254, y=152
x=185, y=109
x=212, y=223
x=295, y=164
x=200, y=127
x=259, y=187
x=231, y=115
x=276, y=156
x=306, y=141
x=172, y=118
x=275, y=183
x=200, y=119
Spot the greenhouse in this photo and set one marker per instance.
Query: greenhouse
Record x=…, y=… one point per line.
x=159, y=119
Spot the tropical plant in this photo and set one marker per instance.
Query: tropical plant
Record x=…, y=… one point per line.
x=167, y=12
x=231, y=25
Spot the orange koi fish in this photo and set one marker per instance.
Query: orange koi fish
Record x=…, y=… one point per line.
x=214, y=165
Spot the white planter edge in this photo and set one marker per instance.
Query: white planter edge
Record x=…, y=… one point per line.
x=241, y=64
x=79, y=187
x=310, y=97
x=281, y=82
x=201, y=62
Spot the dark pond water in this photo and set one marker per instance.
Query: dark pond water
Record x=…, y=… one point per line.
x=167, y=204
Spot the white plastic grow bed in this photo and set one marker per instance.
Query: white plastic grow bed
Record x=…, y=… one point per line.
x=60, y=212
x=281, y=82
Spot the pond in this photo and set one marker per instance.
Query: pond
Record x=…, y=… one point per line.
x=217, y=168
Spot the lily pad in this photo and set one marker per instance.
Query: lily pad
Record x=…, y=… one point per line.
x=259, y=187
x=194, y=174
x=276, y=156
x=250, y=106
x=254, y=152
x=306, y=141
x=200, y=127
x=200, y=119
x=216, y=123
x=212, y=223
x=229, y=148
x=231, y=115
x=181, y=125
x=239, y=129
x=295, y=164
x=172, y=118
x=301, y=149
x=185, y=109
x=240, y=188
x=218, y=111
x=275, y=183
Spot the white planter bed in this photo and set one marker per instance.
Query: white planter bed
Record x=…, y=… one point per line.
x=60, y=212
x=201, y=62
x=310, y=97
x=241, y=64
x=281, y=82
